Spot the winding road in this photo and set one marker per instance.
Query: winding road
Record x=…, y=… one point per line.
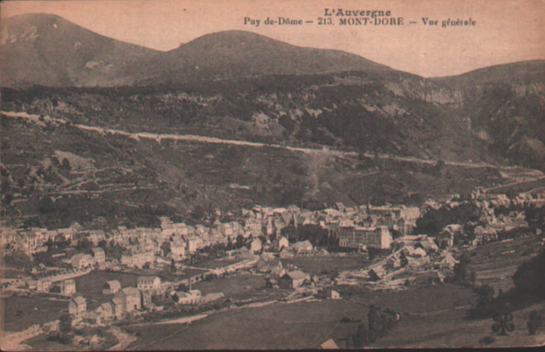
x=158, y=137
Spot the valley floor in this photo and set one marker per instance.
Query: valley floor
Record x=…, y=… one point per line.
x=433, y=316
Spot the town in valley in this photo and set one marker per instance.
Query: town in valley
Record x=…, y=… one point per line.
x=98, y=288
x=249, y=186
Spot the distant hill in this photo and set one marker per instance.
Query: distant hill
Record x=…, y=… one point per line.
x=504, y=106
x=377, y=112
x=236, y=54
x=523, y=71
x=243, y=85
x=49, y=50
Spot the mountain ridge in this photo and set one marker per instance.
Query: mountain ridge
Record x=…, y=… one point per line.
x=52, y=51
x=218, y=55
x=63, y=53
x=263, y=89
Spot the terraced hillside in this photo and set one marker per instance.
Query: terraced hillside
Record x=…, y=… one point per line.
x=53, y=174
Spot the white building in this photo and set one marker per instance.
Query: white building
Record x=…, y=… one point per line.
x=77, y=306
x=104, y=313
x=145, y=283
x=137, y=260
x=82, y=261
x=130, y=296
x=282, y=243
x=194, y=243
x=43, y=285
x=256, y=246
x=177, y=249
x=99, y=255
x=367, y=237
x=190, y=297
x=68, y=287
x=111, y=287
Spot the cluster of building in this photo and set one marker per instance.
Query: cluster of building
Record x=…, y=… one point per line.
x=84, y=260
x=61, y=282
x=294, y=279
x=126, y=301
x=33, y=240
x=261, y=230
x=500, y=215
x=414, y=259
x=131, y=301
x=354, y=226
x=369, y=227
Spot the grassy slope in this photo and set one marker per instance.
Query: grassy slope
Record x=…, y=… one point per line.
x=135, y=181
x=363, y=111
x=33, y=310
x=432, y=316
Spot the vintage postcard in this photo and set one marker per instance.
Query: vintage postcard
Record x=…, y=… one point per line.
x=259, y=174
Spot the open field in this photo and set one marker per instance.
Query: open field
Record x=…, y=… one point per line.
x=496, y=262
x=451, y=328
x=240, y=285
x=41, y=343
x=20, y=312
x=433, y=316
x=410, y=302
x=438, y=320
x=302, y=324
x=305, y=324
x=330, y=264
x=216, y=263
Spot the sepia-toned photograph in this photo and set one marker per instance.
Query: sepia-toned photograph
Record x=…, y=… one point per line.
x=272, y=174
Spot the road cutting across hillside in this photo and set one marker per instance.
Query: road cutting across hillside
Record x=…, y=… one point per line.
x=43, y=121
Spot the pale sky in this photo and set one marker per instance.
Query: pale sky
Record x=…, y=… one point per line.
x=505, y=31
